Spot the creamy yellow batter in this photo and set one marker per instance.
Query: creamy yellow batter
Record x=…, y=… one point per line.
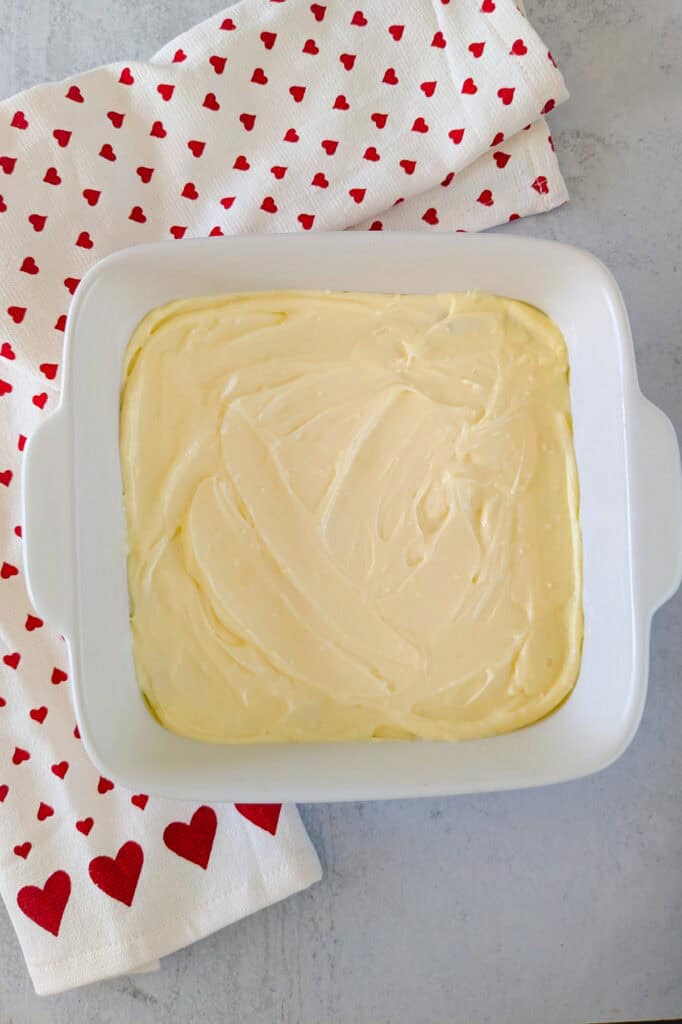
x=350, y=516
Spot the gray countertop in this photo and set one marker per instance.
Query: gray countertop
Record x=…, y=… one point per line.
x=554, y=906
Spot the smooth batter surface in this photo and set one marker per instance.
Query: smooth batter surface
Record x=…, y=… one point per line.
x=350, y=516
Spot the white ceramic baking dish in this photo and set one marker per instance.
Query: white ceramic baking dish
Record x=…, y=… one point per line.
x=631, y=516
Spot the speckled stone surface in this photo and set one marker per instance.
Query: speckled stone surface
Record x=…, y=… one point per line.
x=554, y=906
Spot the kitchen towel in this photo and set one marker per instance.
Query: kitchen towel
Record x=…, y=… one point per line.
x=275, y=115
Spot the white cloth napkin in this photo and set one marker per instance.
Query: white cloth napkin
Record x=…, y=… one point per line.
x=275, y=115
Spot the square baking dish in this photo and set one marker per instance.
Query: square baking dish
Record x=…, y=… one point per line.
x=631, y=516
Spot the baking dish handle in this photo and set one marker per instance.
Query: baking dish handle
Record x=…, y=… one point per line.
x=658, y=505
x=47, y=523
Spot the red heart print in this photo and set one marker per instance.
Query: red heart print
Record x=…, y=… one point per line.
x=23, y=850
x=469, y=87
x=457, y=134
x=46, y=906
x=3, y=205
x=501, y=159
x=408, y=166
x=60, y=324
x=193, y=841
x=84, y=241
x=488, y=6
x=76, y=732
x=116, y=118
x=217, y=63
x=40, y=399
x=269, y=205
x=329, y=146
x=85, y=825
x=291, y=135
x=29, y=266
x=138, y=215
x=6, y=479
x=215, y=232
x=506, y=95
x=428, y=88
x=118, y=876
x=248, y=121
x=358, y=19
x=145, y=174
x=550, y=141
x=241, y=164
x=348, y=60
x=60, y=769
x=259, y=77
x=17, y=529
x=420, y=125
x=268, y=39
x=8, y=570
x=178, y=231
x=19, y=120
x=540, y=185
x=211, y=101
x=4, y=790
x=476, y=49
x=430, y=216
x=37, y=221
x=3, y=702
x=519, y=48
x=486, y=198
x=371, y=154
x=379, y=120
x=165, y=91
x=357, y=194
x=265, y=816
x=139, y=800
x=438, y=41
x=12, y=660
x=104, y=785
x=227, y=202
x=278, y=172
x=32, y=621
x=228, y=25
x=126, y=77
x=179, y=56
x=196, y=147
x=318, y=11
x=38, y=714
x=550, y=58
x=107, y=152
x=7, y=164
x=320, y=180
x=341, y=103
x=58, y=676
x=190, y=191
x=549, y=105
x=62, y=136
x=297, y=92
x=16, y=313
x=390, y=77
x=91, y=196
x=499, y=138
x=396, y=31
x=157, y=130
x=74, y=93
x=448, y=179
x=52, y=176
x=7, y=351
x=5, y=389
x=44, y=811
x=311, y=47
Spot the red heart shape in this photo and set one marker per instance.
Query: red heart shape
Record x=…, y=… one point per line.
x=58, y=676
x=84, y=241
x=358, y=19
x=357, y=194
x=430, y=216
x=278, y=172
x=228, y=25
x=76, y=732
x=91, y=196
x=320, y=180
x=265, y=816
x=85, y=825
x=126, y=77
x=269, y=205
x=60, y=769
x=8, y=570
x=549, y=105
x=16, y=313
x=44, y=811
x=457, y=134
x=379, y=120
x=291, y=135
x=438, y=41
x=193, y=841
x=179, y=56
x=190, y=191
x=408, y=166
x=196, y=147
x=241, y=164
x=488, y=6
x=420, y=125
x=3, y=205
x=62, y=136
x=60, y=324
x=5, y=389
x=540, y=185
x=32, y=621
x=23, y=850
x=501, y=159
x=145, y=174
x=138, y=215
x=37, y=221
x=348, y=60
x=476, y=49
x=157, y=130
x=396, y=31
x=428, y=88
x=7, y=164
x=12, y=660
x=268, y=39
x=227, y=201
x=165, y=91
x=371, y=154
x=19, y=120
x=519, y=48
x=217, y=63
x=216, y=232
x=329, y=146
x=506, y=95
x=7, y=351
x=310, y=46
x=107, y=152
x=341, y=103
x=17, y=529
x=318, y=11
x=29, y=266
x=46, y=906
x=52, y=176
x=448, y=179
x=486, y=198
x=38, y=714
x=6, y=479
x=104, y=785
x=210, y=101
x=259, y=77
x=390, y=77
x=4, y=790
x=74, y=93
x=248, y=120
x=116, y=118
x=40, y=399
x=469, y=87
x=139, y=800
x=118, y=876
x=497, y=140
